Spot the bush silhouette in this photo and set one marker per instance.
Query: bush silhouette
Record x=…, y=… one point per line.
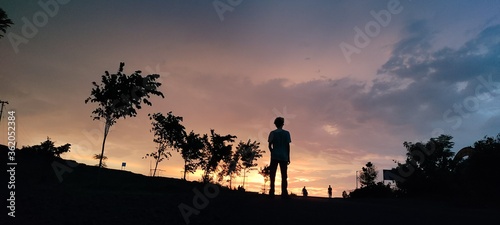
x=378, y=190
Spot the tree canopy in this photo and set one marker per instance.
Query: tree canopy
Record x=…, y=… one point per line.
x=428, y=166
x=5, y=22
x=430, y=170
x=249, y=153
x=168, y=133
x=120, y=96
x=368, y=175
x=48, y=148
x=217, y=148
x=191, y=152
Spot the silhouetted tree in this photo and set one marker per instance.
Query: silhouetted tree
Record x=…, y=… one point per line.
x=477, y=174
x=191, y=152
x=428, y=166
x=120, y=95
x=369, y=188
x=368, y=175
x=216, y=149
x=48, y=148
x=169, y=133
x=5, y=22
x=231, y=166
x=98, y=157
x=249, y=153
x=377, y=190
x=266, y=173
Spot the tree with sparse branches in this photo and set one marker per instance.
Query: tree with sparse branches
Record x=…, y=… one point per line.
x=169, y=133
x=5, y=22
x=266, y=173
x=216, y=149
x=231, y=166
x=120, y=96
x=368, y=175
x=249, y=153
x=191, y=152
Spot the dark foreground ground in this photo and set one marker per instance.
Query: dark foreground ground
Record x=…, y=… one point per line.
x=86, y=196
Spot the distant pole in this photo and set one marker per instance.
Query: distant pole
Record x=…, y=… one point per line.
x=245, y=175
x=1, y=110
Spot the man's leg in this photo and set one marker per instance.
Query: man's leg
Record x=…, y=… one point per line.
x=284, y=177
x=273, y=167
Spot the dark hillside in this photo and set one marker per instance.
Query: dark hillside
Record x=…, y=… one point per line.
x=87, y=196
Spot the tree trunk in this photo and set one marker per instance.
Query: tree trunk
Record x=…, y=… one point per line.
x=156, y=166
x=205, y=176
x=244, y=176
x=185, y=166
x=106, y=131
x=157, y=160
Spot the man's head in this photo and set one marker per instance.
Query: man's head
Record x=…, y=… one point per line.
x=279, y=122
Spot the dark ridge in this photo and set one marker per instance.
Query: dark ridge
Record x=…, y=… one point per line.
x=87, y=196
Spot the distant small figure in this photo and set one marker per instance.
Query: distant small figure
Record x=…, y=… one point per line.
x=304, y=191
x=345, y=195
x=329, y=191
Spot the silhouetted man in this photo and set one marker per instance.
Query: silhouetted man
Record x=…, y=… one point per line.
x=329, y=191
x=304, y=191
x=279, y=146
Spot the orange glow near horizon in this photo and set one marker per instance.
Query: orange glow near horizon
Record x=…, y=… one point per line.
x=254, y=182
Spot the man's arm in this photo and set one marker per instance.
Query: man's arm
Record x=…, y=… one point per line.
x=288, y=147
x=288, y=152
x=270, y=140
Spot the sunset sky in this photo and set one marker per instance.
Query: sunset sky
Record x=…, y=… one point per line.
x=353, y=79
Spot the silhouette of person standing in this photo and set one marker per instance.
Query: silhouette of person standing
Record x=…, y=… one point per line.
x=279, y=146
x=329, y=191
x=304, y=191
